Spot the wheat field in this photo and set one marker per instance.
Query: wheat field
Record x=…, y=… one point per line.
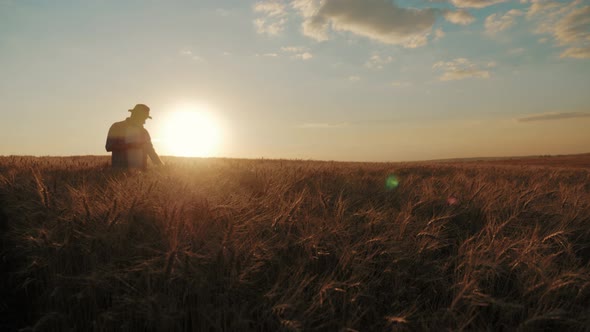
x=288, y=245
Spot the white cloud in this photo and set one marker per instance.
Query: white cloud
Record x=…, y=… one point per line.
x=439, y=34
x=274, y=17
x=298, y=52
x=354, y=78
x=574, y=27
x=462, y=17
x=475, y=3
x=573, y=31
x=496, y=22
x=272, y=28
x=538, y=7
x=554, y=116
x=576, y=53
x=270, y=8
x=293, y=49
x=311, y=28
x=382, y=21
x=376, y=61
x=460, y=69
x=567, y=23
x=191, y=55
x=304, y=56
x=461, y=74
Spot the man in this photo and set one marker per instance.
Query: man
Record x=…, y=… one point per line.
x=130, y=142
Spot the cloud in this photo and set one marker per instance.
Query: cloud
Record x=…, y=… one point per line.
x=496, y=22
x=273, y=18
x=567, y=23
x=475, y=3
x=401, y=84
x=554, y=116
x=382, y=21
x=462, y=17
x=573, y=31
x=376, y=61
x=293, y=49
x=354, y=78
x=538, y=7
x=297, y=52
x=271, y=8
x=323, y=125
x=304, y=56
x=574, y=27
x=263, y=26
x=439, y=34
x=461, y=74
x=576, y=53
x=189, y=54
x=460, y=69
x=268, y=55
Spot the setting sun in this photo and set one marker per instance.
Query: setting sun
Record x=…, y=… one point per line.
x=191, y=131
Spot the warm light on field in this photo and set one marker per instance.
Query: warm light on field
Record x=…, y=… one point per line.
x=191, y=131
x=487, y=245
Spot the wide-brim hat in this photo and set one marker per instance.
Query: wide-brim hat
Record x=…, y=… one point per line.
x=141, y=108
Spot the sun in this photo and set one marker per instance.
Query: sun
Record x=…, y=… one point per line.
x=191, y=131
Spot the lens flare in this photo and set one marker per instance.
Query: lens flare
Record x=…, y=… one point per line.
x=452, y=200
x=392, y=182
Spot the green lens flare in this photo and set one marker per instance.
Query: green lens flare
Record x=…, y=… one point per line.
x=392, y=182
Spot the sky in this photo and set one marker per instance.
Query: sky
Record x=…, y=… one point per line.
x=354, y=80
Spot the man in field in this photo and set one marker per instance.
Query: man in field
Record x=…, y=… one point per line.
x=130, y=142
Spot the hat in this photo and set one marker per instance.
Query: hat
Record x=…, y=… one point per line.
x=141, y=108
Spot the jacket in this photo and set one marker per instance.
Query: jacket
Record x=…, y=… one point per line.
x=130, y=144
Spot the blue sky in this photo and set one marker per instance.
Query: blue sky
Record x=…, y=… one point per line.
x=333, y=79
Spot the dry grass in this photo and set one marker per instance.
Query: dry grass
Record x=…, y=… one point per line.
x=239, y=245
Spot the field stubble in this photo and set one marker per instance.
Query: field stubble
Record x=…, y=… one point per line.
x=225, y=244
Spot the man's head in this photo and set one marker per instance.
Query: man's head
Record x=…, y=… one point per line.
x=140, y=113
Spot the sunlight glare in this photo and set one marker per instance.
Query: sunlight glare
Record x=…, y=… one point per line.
x=191, y=131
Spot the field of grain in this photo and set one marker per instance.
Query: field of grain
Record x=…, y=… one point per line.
x=277, y=245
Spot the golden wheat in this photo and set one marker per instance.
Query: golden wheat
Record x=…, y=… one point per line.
x=226, y=244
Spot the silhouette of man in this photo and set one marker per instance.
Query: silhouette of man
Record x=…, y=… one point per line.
x=130, y=142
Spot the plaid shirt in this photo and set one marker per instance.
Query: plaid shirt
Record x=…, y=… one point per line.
x=130, y=144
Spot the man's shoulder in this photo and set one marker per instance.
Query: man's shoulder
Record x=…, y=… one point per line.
x=120, y=125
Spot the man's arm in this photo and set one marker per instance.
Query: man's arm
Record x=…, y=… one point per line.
x=154, y=157
x=151, y=151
